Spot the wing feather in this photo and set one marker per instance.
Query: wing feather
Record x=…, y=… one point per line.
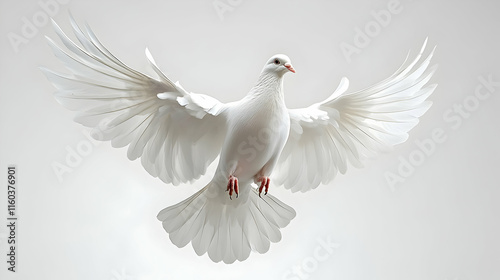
x=350, y=127
x=158, y=120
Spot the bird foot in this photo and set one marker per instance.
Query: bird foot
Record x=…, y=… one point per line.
x=232, y=186
x=264, y=185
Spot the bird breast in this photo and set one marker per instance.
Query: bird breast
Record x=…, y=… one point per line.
x=257, y=130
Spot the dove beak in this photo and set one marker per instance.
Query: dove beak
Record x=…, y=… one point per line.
x=289, y=67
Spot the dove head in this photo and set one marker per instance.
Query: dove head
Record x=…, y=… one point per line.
x=279, y=64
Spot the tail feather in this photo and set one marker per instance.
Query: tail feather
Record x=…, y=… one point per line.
x=227, y=230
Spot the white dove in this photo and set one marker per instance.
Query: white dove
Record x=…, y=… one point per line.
x=177, y=134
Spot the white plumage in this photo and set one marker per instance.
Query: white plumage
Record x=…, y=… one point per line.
x=177, y=134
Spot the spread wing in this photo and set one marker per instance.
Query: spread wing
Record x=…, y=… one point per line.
x=176, y=134
x=349, y=127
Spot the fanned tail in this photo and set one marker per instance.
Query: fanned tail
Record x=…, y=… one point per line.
x=227, y=229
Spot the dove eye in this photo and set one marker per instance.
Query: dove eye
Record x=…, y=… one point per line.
x=276, y=61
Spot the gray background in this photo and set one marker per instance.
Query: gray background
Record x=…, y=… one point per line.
x=98, y=222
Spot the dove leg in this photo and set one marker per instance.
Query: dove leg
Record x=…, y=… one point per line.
x=232, y=186
x=264, y=185
x=262, y=177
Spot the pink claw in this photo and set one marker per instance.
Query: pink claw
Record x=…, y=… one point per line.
x=264, y=184
x=232, y=185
